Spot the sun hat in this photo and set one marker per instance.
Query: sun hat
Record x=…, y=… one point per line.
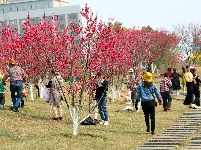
x=147, y=77
x=131, y=70
x=12, y=61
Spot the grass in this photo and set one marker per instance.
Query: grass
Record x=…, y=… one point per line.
x=33, y=129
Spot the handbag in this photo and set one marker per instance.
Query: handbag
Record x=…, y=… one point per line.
x=88, y=121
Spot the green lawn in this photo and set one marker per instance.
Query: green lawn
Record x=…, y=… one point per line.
x=33, y=129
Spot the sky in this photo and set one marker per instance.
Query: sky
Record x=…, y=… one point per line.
x=159, y=14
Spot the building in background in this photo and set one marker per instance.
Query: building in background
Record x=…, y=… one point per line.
x=15, y=12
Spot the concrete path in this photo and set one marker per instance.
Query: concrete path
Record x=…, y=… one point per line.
x=185, y=134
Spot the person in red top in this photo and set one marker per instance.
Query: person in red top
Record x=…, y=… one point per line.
x=165, y=83
x=169, y=72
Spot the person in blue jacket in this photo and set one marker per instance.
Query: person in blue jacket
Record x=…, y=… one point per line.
x=145, y=94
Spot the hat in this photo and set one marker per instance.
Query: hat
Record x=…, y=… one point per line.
x=147, y=77
x=131, y=70
x=12, y=61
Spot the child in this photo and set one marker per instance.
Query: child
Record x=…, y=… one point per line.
x=2, y=95
x=24, y=95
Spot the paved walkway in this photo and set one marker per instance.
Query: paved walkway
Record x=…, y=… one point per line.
x=185, y=134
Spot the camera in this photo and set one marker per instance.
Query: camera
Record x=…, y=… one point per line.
x=99, y=81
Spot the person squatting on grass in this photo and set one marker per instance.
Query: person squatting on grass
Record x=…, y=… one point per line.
x=165, y=83
x=145, y=94
x=17, y=76
x=55, y=95
x=101, y=97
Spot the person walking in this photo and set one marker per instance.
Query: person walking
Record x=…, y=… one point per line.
x=183, y=80
x=189, y=85
x=101, y=97
x=131, y=85
x=165, y=83
x=145, y=94
x=55, y=96
x=175, y=81
x=17, y=76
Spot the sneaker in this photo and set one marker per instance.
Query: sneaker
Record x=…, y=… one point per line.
x=167, y=108
x=15, y=109
x=195, y=106
x=102, y=122
x=60, y=118
x=105, y=123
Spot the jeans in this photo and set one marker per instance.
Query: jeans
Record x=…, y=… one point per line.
x=102, y=108
x=16, y=87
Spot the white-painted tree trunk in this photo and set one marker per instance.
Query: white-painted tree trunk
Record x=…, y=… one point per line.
x=118, y=94
x=95, y=109
x=75, y=117
x=31, y=90
x=113, y=94
x=123, y=87
x=40, y=86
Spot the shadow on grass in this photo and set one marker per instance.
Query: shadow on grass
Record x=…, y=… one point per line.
x=85, y=135
x=122, y=132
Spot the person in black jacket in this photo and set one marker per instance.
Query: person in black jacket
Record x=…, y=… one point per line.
x=175, y=81
x=196, y=90
x=101, y=97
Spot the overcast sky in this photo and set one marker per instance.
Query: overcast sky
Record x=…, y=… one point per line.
x=156, y=13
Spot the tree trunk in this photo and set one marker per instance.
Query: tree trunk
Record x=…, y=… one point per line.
x=75, y=117
x=31, y=90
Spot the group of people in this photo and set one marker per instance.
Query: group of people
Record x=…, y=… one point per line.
x=192, y=84
x=17, y=78
x=144, y=91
